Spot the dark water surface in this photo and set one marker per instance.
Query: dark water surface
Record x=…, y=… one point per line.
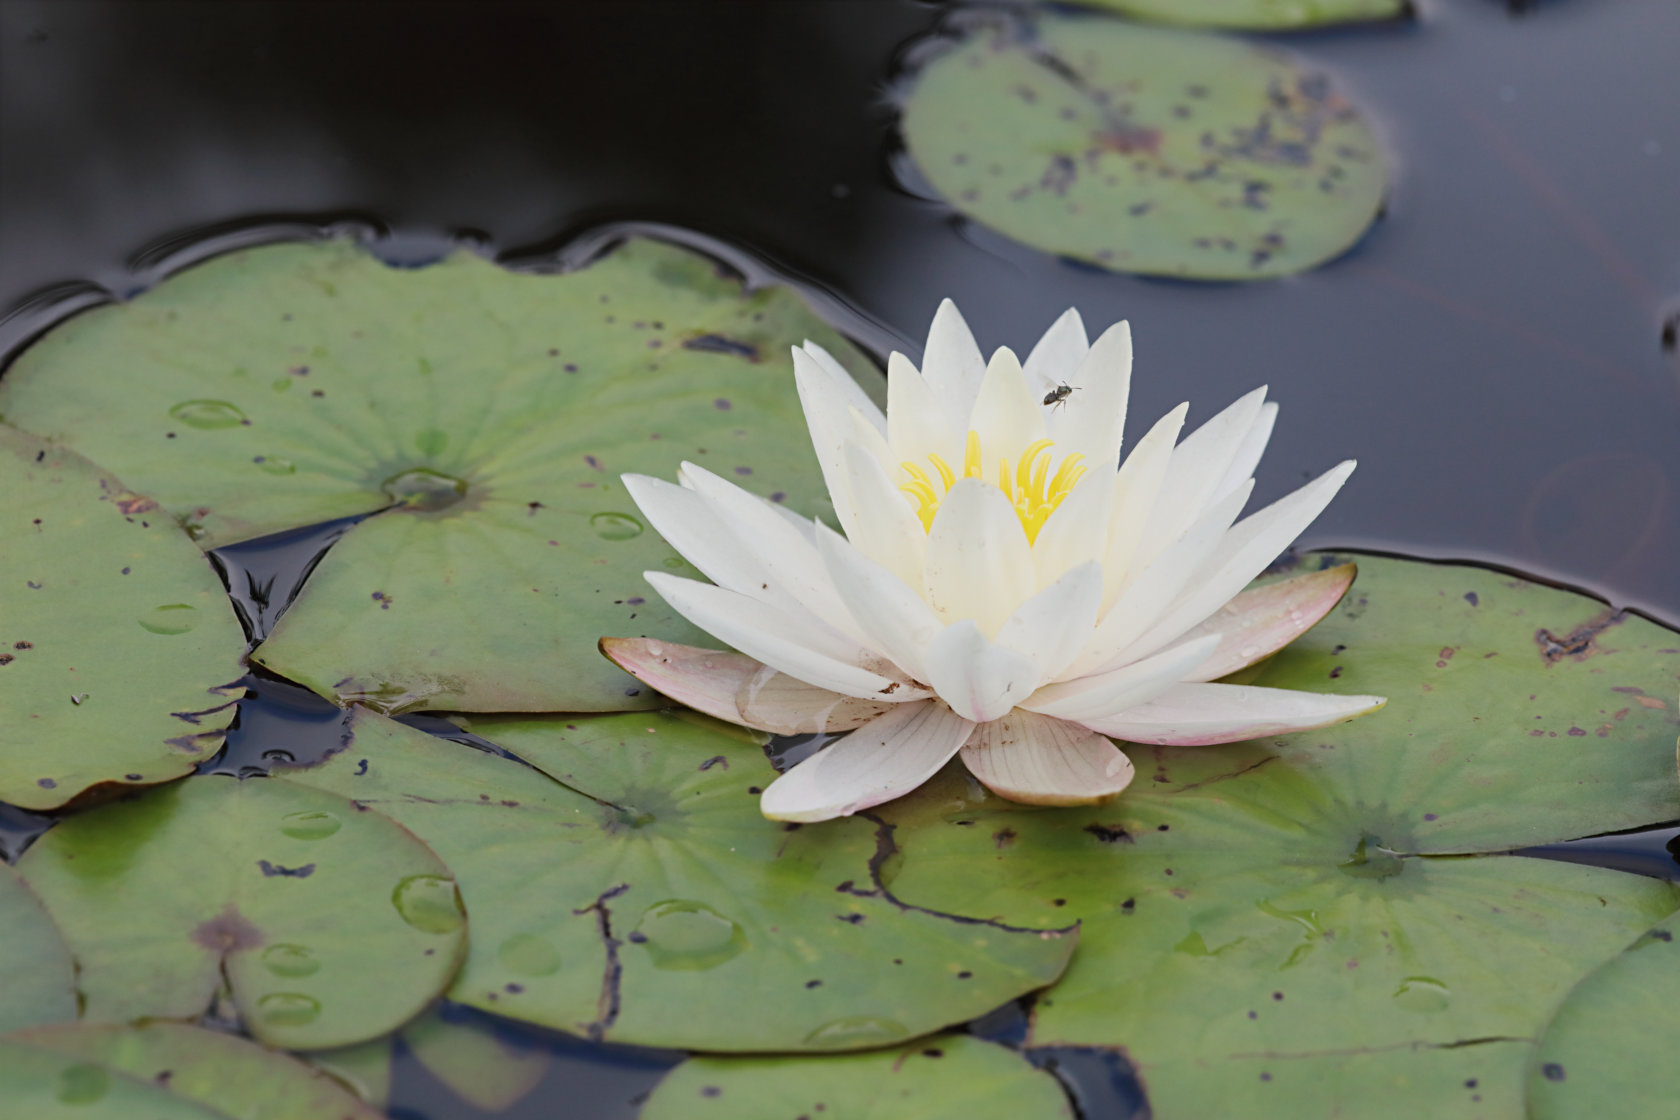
x=1493, y=351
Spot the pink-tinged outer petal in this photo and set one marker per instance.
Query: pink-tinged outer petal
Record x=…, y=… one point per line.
x=977, y=678
x=736, y=689
x=885, y=758
x=1042, y=761
x=952, y=364
x=1117, y=690
x=1261, y=621
x=1198, y=715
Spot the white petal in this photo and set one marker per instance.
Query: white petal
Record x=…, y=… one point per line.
x=952, y=364
x=786, y=554
x=886, y=528
x=1249, y=451
x=1194, y=715
x=1091, y=421
x=779, y=639
x=1157, y=588
x=917, y=423
x=1007, y=414
x=1112, y=692
x=885, y=758
x=892, y=615
x=979, y=564
x=1136, y=489
x=1077, y=532
x=1261, y=621
x=1198, y=466
x=1054, y=625
x=848, y=386
x=735, y=688
x=1057, y=355
x=1042, y=761
x=979, y=679
x=690, y=525
x=1247, y=549
x=828, y=416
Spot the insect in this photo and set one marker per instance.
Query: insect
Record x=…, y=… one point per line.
x=1058, y=396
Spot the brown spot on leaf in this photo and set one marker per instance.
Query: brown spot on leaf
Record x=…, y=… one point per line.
x=228, y=932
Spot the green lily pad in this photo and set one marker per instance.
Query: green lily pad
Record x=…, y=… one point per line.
x=117, y=640
x=193, y=1072
x=624, y=886
x=1304, y=924
x=1610, y=1050
x=487, y=413
x=948, y=1077
x=37, y=976
x=364, y=1069
x=1144, y=149
x=1257, y=15
x=330, y=924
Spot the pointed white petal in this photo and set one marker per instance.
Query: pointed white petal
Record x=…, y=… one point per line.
x=885, y=758
x=1054, y=625
x=1091, y=421
x=892, y=615
x=787, y=555
x=1249, y=451
x=1043, y=761
x=691, y=526
x=1194, y=715
x=848, y=387
x=735, y=688
x=917, y=423
x=952, y=364
x=979, y=564
x=977, y=678
x=796, y=646
x=1136, y=489
x=1077, y=533
x=1198, y=465
x=1246, y=550
x=887, y=529
x=1261, y=621
x=828, y=416
x=1007, y=414
x=1157, y=588
x=1057, y=355
x=1112, y=692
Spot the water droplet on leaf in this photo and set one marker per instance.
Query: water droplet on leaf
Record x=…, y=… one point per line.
x=293, y=961
x=424, y=490
x=529, y=955
x=855, y=1031
x=615, y=526
x=428, y=903
x=288, y=1009
x=171, y=618
x=310, y=824
x=208, y=414
x=1422, y=993
x=684, y=936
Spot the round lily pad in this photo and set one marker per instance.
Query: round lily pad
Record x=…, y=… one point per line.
x=1145, y=149
x=330, y=924
x=483, y=416
x=1311, y=924
x=117, y=640
x=37, y=976
x=947, y=1077
x=106, y=1071
x=1257, y=15
x=1610, y=1049
x=625, y=887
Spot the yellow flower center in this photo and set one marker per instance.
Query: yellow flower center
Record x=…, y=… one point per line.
x=1030, y=487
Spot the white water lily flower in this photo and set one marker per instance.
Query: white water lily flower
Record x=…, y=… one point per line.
x=1007, y=587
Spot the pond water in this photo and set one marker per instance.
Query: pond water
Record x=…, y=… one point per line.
x=1493, y=350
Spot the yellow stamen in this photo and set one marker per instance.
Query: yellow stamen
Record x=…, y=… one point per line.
x=1031, y=487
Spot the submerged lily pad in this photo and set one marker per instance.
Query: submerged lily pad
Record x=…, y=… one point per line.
x=117, y=640
x=1257, y=15
x=487, y=413
x=625, y=887
x=165, y=1070
x=37, y=976
x=1610, y=1050
x=330, y=924
x=948, y=1077
x=478, y=1066
x=1144, y=149
x=1287, y=925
